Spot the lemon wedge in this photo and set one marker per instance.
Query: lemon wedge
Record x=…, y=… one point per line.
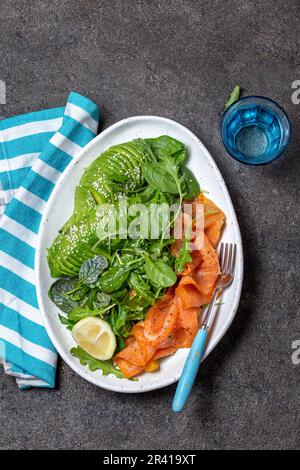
x=96, y=337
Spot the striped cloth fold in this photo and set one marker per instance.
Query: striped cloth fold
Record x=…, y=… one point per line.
x=35, y=149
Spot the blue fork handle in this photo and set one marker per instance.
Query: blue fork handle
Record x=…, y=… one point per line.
x=190, y=370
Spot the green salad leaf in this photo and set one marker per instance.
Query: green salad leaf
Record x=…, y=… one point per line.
x=91, y=269
x=102, y=300
x=119, y=322
x=184, y=254
x=114, y=278
x=191, y=185
x=60, y=293
x=65, y=321
x=138, y=284
x=107, y=367
x=159, y=273
x=233, y=97
x=121, y=318
x=166, y=145
x=159, y=178
x=78, y=313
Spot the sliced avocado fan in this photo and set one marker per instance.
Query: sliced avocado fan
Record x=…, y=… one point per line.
x=116, y=172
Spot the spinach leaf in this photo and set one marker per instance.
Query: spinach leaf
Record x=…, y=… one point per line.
x=137, y=283
x=114, y=278
x=79, y=293
x=89, y=299
x=60, y=291
x=93, y=364
x=91, y=269
x=233, y=97
x=159, y=273
x=157, y=177
x=119, y=295
x=171, y=168
x=180, y=157
x=102, y=300
x=166, y=144
x=191, y=185
x=184, y=254
x=164, y=175
x=78, y=313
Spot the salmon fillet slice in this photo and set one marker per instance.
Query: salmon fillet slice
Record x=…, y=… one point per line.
x=173, y=321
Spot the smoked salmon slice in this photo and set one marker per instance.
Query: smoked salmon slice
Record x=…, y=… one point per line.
x=160, y=323
x=214, y=219
x=173, y=321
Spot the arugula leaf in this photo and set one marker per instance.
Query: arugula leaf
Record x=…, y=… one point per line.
x=91, y=269
x=184, y=254
x=233, y=97
x=159, y=273
x=121, y=318
x=120, y=344
x=157, y=247
x=119, y=322
x=93, y=364
x=65, y=321
x=191, y=185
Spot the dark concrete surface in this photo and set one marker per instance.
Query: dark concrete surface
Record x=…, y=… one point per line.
x=177, y=59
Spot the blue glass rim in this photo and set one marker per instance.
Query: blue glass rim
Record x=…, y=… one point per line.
x=226, y=111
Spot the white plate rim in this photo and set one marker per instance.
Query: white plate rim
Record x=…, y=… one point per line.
x=38, y=255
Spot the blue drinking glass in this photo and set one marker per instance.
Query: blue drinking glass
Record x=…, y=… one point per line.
x=255, y=130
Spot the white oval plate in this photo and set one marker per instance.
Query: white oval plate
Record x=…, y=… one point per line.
x=60, y=207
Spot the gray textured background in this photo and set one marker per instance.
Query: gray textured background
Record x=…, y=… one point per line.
x=177, y=59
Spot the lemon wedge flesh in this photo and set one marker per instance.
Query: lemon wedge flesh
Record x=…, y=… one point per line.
x=96, y=337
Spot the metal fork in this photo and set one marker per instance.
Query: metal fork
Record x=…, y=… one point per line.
x=227, y=260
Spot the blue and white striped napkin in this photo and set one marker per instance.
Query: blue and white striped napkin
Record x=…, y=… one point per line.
x=35, y=149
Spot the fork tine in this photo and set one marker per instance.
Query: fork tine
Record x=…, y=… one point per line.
x=221, y=256
x=225, y=258
x=232, y=268
x=230, y=258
